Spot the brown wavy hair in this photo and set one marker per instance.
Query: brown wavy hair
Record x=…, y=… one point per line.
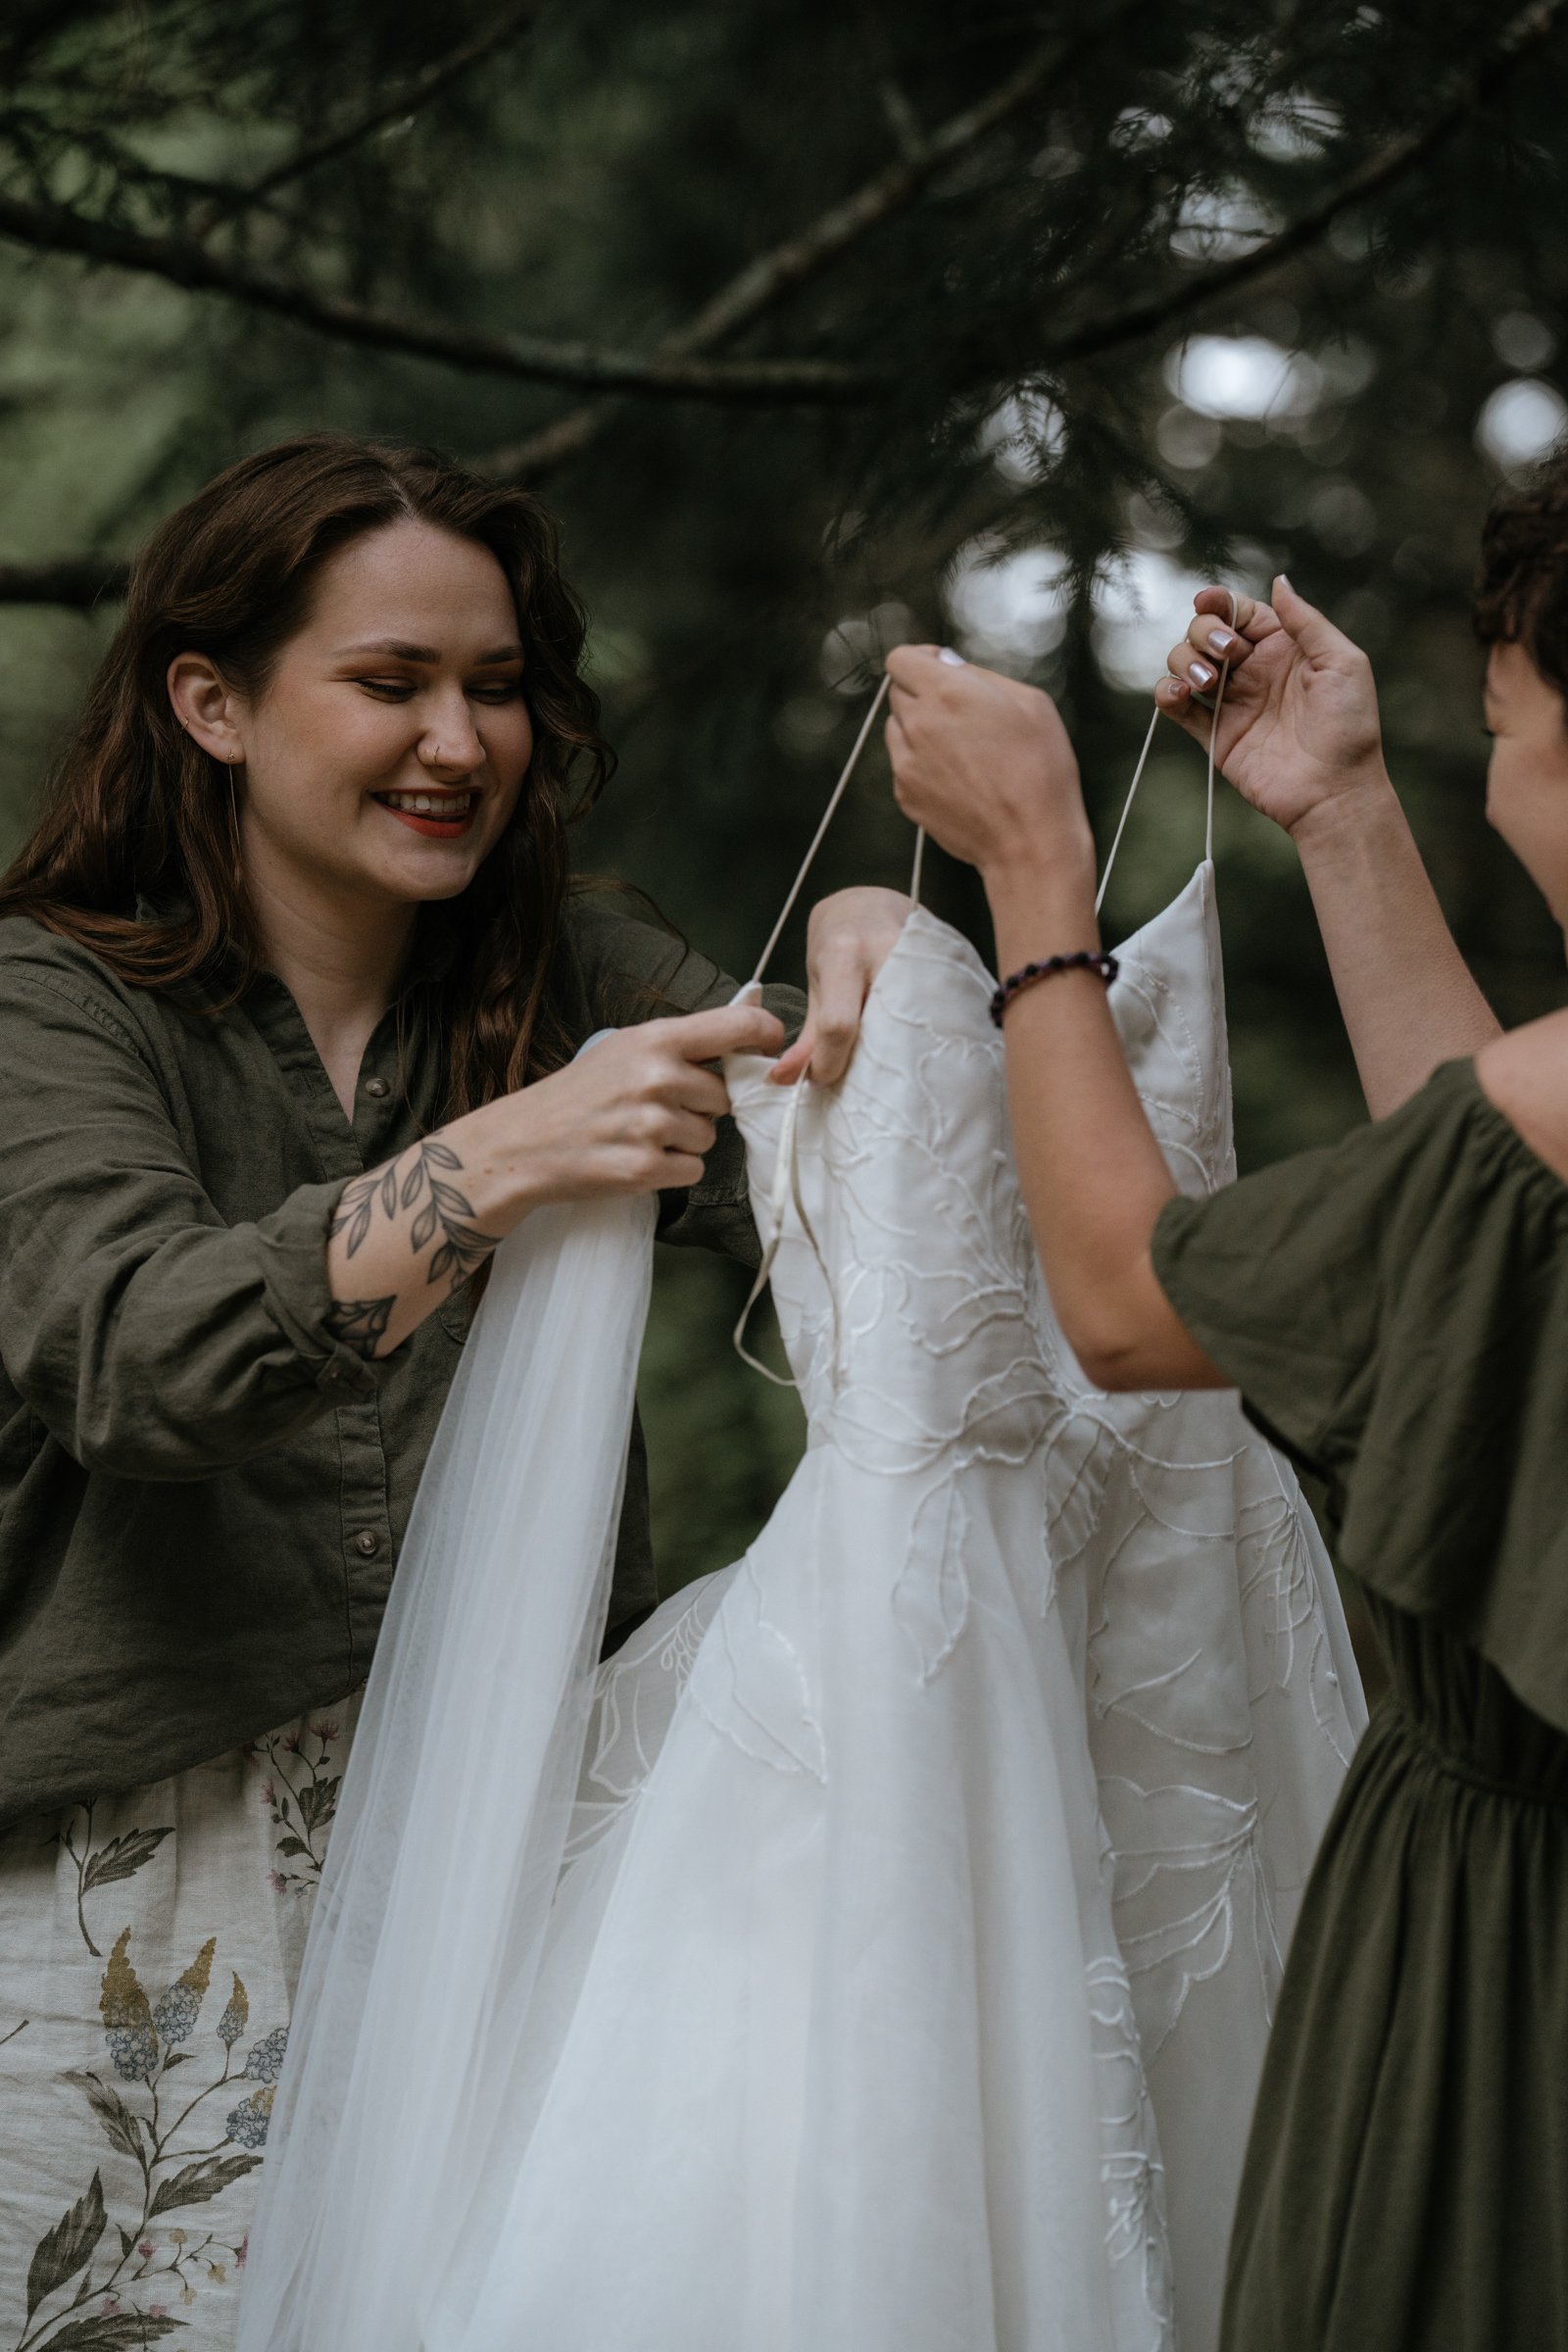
x=1522, y=582
x=136, y=806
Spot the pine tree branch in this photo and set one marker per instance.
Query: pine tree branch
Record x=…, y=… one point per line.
x=1374, y=177
x=407, y=99
x=786, y=266
x=528, y=359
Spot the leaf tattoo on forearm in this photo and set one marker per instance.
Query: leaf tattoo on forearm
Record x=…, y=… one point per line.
x=361, y=1323
x=414, y=1179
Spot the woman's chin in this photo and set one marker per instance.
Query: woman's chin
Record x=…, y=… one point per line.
x=429, y=869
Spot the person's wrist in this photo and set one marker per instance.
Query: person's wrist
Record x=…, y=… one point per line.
x=511, y=1167
x=1042, y=906
x=1040, y=875
x=1364, y=798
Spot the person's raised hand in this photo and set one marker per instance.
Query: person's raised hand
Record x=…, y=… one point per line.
x=1298, y=724
x=984, y=762
x=851, y=936
x=636, y=1112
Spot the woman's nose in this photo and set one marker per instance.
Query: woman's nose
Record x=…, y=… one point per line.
x=450, y=742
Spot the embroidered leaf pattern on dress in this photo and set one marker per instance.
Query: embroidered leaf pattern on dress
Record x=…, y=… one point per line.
x=68, y=2246
x=174, y=2175
x=931, y=1598
x=111, y=2332
x=301, y=1792
x=198, y=2184
x=177, y=2096
x=122, y=1858
x=121, y=2128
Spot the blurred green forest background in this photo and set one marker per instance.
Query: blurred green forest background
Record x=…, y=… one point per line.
x=822, y=326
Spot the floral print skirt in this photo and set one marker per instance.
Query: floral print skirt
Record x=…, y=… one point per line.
x=150, y=1946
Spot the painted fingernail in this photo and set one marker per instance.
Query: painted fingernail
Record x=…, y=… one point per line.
x=1201, y=674
x=1220, y=641
x=952, y=660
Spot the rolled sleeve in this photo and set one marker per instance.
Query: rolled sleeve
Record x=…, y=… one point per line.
x=291, y=1251
x=152, y=1338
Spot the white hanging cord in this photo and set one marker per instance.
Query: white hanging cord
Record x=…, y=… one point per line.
x=818, y=836
x=1126, y=811
x=920, y=854
x=1213, y=730
x=786, y=1188
x=1126, y=808
x=786, y=1168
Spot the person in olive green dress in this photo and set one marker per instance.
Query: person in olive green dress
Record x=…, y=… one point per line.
x=1394, y=1313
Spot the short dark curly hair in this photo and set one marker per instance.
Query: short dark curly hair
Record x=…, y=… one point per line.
x=1521, y=580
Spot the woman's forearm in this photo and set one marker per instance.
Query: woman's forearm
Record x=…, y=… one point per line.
x=408, y=1233
x=1092, y=1174
x=635, y=1114
x=1405, y=993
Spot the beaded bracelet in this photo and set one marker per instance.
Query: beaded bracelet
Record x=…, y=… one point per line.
x=1084, y=960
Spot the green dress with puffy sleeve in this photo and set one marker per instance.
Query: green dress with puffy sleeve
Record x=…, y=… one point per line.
x=1394, y=1313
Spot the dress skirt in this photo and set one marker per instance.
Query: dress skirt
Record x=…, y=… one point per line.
x=149, y=1951
x=1407, y=2180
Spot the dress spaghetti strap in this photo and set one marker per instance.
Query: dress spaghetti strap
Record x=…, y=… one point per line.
x=821, y=835
x=1142, y=758
x=786, y=1179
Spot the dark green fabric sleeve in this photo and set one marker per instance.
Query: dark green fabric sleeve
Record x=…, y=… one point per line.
x=151, y=1337
x=1394, y=1313
x=635, y=971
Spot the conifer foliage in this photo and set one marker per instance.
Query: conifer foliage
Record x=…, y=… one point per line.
x=872, y=243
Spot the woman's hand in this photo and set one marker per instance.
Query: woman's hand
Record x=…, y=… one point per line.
x=637, y=1112
x=1299, y=725
x=851, y=936
x=985, y=764
x=633, y=1114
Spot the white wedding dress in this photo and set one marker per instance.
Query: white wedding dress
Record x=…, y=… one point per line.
x=898, y=1978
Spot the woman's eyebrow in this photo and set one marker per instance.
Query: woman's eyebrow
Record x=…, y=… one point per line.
x=398, y=650
x=395, y=646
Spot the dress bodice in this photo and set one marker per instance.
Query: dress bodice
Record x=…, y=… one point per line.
x=906, y=1280
x=903, y=1291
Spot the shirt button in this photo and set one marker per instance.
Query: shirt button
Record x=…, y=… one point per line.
x=367, y=1541
x=376, y=1087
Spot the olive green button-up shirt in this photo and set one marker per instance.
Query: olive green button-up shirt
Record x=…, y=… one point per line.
x=202, y=1491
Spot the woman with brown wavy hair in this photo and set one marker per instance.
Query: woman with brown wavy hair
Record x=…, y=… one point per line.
x=1394, y=1311
x=291, y=986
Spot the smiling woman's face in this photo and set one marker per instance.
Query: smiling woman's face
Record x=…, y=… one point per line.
x=1527, y=778
x=386, y=754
